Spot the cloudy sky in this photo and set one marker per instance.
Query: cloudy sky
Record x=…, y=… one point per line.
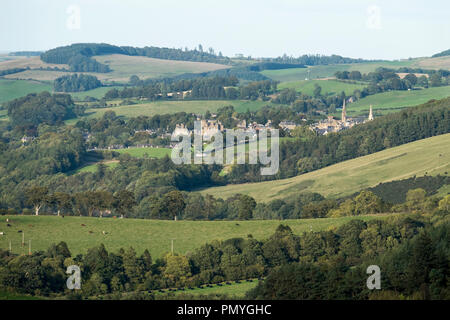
x=355, y=28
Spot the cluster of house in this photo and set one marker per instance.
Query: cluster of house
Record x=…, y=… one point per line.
x=334, y=125
x=210, y=127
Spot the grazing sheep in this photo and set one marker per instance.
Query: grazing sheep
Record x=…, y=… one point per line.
x=19, y=231
x=2, y=233
x=8, y=225
x=104, y=232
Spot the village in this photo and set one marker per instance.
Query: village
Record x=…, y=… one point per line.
x=209, y=127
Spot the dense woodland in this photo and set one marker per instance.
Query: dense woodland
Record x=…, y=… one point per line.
x=76, y=83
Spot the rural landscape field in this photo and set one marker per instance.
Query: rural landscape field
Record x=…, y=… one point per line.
x=169, y=151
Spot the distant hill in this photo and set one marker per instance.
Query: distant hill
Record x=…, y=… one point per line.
x=441, y=54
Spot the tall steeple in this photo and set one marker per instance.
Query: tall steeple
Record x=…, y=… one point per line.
x=370, y=113
x=344, y=113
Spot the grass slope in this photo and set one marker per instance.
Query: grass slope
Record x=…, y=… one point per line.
x=125, y=66
x=12, y=89
x=142, y=152
x=428, y=156
x=393, y=101
x=325, y=71
x=154, y=235
x=329, y=87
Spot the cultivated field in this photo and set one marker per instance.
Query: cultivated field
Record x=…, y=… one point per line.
x=329, y=87
x=125, y=66
x=122, y=68
x=325, y=71
x=11, y=62
x=393, y=101
x=428, y=156
x=154, y=235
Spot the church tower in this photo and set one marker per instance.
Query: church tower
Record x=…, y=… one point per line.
x=344, y=113
x=370, y=114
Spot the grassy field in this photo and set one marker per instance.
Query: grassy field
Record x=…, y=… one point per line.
x=428, y=156
x=122, y=68
x=93, y=167
x=125, y=66
x=141, y=152
x=154, y=235
x=329, y=87
x=234, y=290
x=134, y=152
x=12, y=89
x=97, y=93
x=325, y=71
x=168, y=107
x=393, y=101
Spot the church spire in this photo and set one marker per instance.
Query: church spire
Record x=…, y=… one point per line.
x=344, y=113
x=370, y=113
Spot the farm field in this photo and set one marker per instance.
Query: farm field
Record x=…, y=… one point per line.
x=11, y=62
x=124, y=66
x=141, y=234
x=97, y=93
x=168, y=107
x=12, y=89
x=393, y=101
x=326, y=71
x=329, y=87
x=428, y=156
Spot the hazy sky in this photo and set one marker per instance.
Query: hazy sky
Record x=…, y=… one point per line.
x=382, y=29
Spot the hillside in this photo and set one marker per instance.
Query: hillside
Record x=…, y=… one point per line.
x=393, y=101
x=154, y=235
x=122, y=67
x=326, y=71
x=428, y=156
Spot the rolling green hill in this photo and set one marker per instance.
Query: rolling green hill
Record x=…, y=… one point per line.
x=428, y=156
x=154, y=235
x=325, y=71
x=393, y=101
x=12, y=89
x=122, y=66
x=125, y=66
x=329, y=87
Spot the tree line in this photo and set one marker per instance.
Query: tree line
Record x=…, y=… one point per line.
x=411, y=250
